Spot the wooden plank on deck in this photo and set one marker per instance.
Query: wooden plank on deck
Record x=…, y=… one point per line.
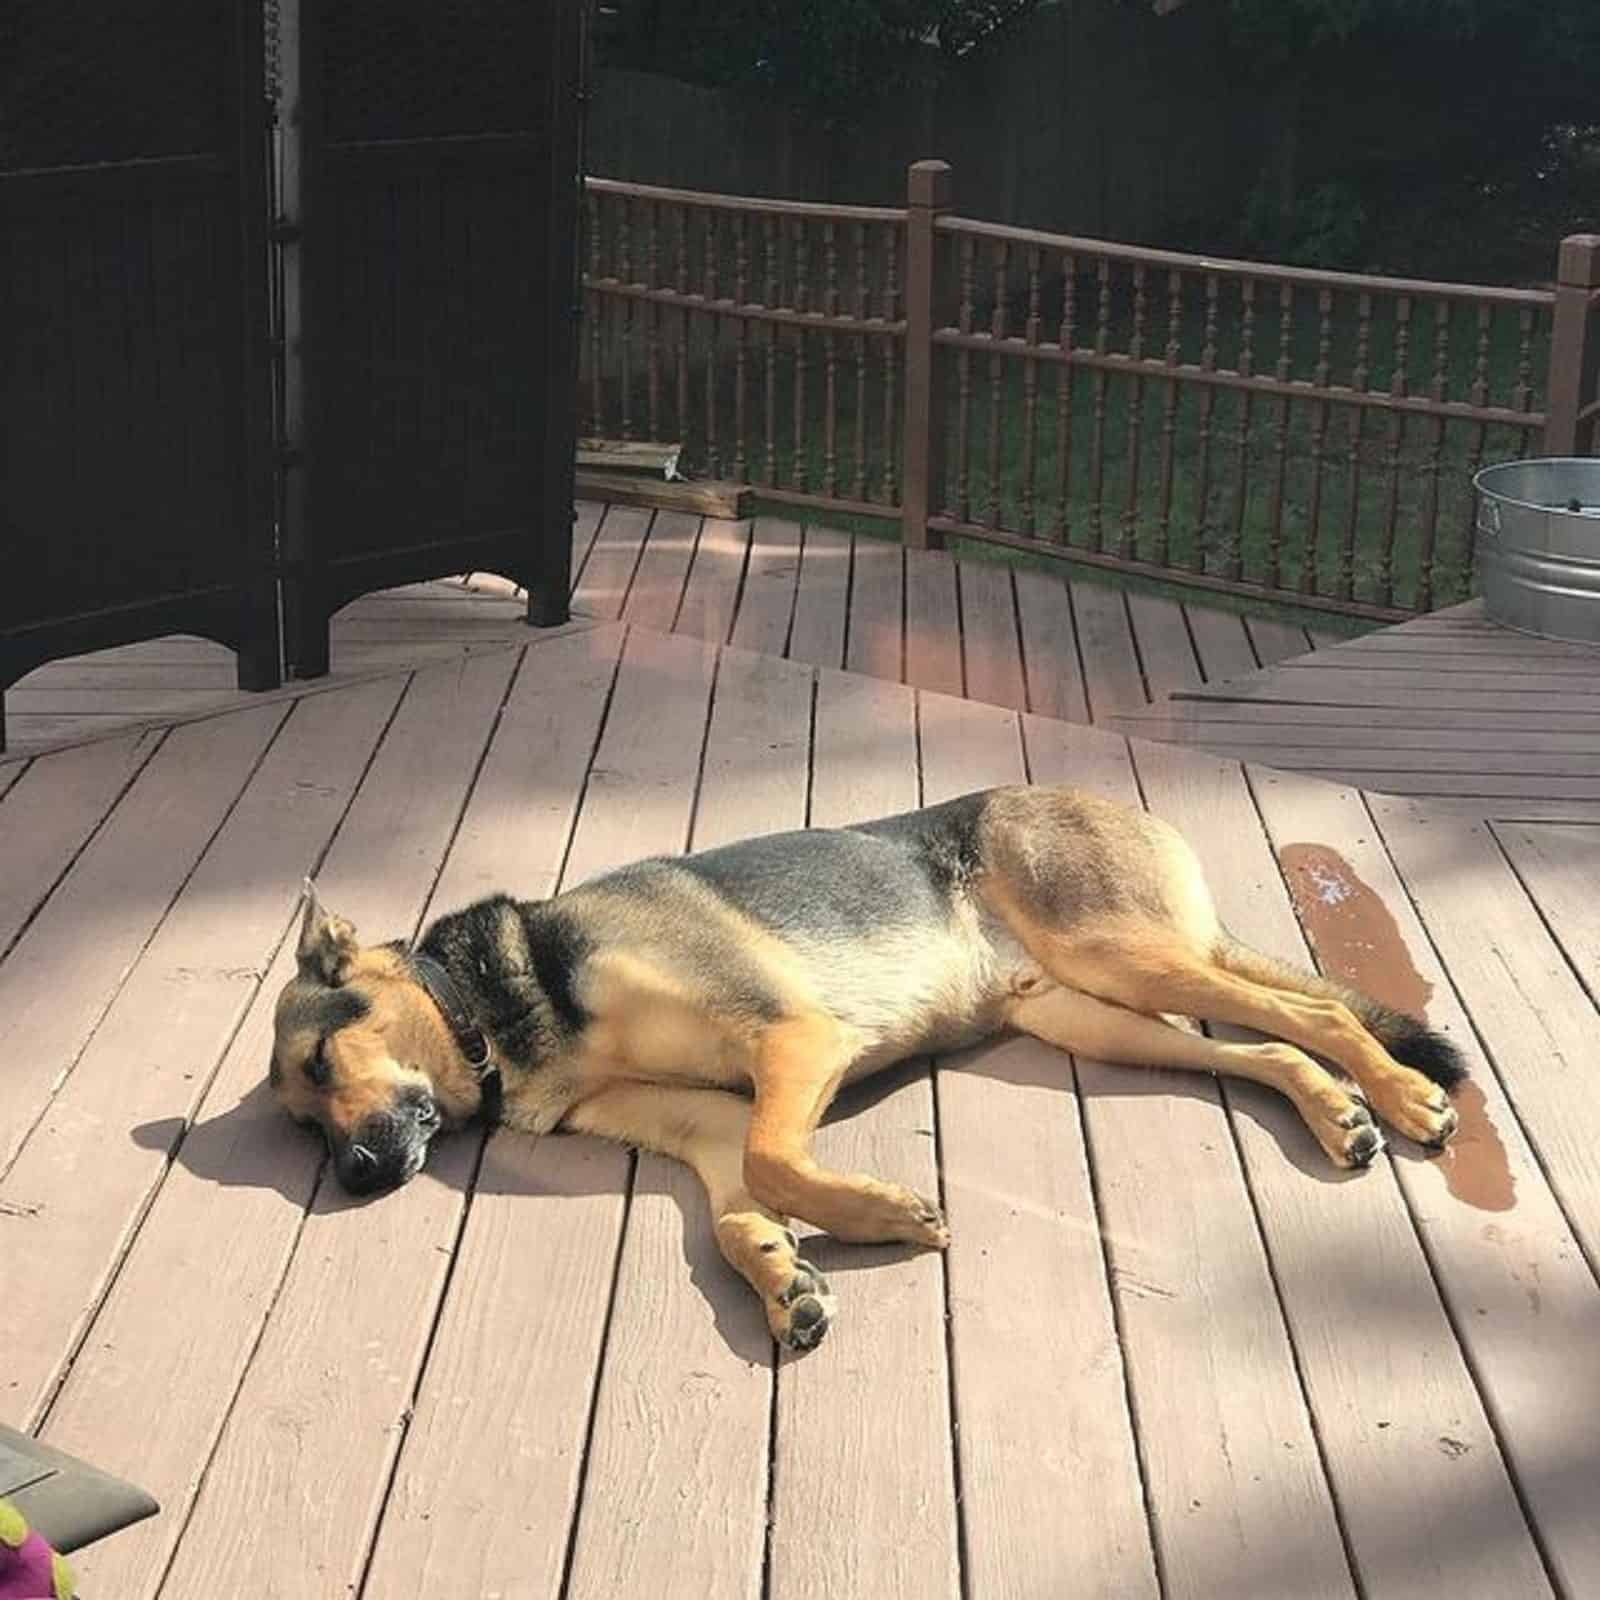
x=1221, y=641
x=1040, y=1388
x=1105, y=640
x=1165, y=650
x=1560, y=868
x=89, y=1168
x=1523, y=1302
x=711, y=596
x=659, y=1442
x=56, y=984
x=1236, y=1489
x=657, y=589
x=1276, y=640
x=933, y=622
x=863, y=1482
x=989, y=639
x=51, y=812
x=822, y=601
x=766, y=605
x=361, y=1278
x=1050, y=646
x=1401, y=1425
x=602, y=588
x=876, y=601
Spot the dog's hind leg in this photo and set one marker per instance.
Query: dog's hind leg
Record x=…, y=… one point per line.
x=706, y=1129
x=800, y=1063
x=1086, y=1026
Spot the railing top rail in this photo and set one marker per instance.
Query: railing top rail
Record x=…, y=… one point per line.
x=1261, y=271
x=745, y=203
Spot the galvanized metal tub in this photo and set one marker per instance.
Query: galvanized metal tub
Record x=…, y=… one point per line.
x=1539, y=546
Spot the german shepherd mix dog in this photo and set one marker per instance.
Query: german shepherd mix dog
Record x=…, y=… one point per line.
x=710, y=1007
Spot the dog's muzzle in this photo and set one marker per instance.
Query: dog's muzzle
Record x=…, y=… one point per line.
x=389, y=1147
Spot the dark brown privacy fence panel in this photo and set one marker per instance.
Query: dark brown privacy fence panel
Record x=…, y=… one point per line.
x=1272, y=432
x=437, y=190
x=769, y=338
x=135, y=472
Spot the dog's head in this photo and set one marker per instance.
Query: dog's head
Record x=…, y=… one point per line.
x=361, y=1051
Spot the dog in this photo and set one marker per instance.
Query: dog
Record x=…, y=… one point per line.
x=710, y=1006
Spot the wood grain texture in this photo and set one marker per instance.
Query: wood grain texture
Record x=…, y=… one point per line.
x=711, y=596
x=933, y=622
x=1040, y=1387
x=1402, y=1427
x=1221, y=641
x=189, y=1304
x=1165, y=650
x=1105, y=641
x=657, y=588
x=337, y=1362
x=876, y=599
x=1523, y=1302
x=845, y=1524
x=89, y=1168
x=1277, y=641
x=602, y=587
x=989, y=639
x=1235, y=1486
x=1050, y=647
x=1560, y=868
x=56, y=983
x=822, y=601
x=683, y=1405
x=766, y=606
x=51, y=811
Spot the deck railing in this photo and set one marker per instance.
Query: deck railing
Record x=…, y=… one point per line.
x=1264, y=430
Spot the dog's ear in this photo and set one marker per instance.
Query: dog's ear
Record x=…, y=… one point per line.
x=327, y=943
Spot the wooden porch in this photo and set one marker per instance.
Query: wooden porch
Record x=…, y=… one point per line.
x=1169, y=1353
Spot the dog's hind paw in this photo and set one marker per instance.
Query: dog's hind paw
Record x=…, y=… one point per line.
x=800, y=1312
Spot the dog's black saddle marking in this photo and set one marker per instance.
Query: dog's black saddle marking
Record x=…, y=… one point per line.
x=470, y=1039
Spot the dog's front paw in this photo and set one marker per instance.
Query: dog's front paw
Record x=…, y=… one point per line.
x=800, y=1312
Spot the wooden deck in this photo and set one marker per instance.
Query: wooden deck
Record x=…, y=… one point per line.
x=1169, y=1353
x=1449, y=707
x=1075, y=650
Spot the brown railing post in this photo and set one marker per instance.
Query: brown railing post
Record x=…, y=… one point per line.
x=1574, y=348
x=927, y=194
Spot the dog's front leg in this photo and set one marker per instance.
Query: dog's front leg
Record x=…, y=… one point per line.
x=707, y=1129
x=799, y=1065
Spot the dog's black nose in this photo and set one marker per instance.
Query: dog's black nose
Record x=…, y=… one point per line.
x=359, y=1170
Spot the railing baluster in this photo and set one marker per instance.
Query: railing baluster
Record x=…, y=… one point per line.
x=769, y=297
x=1480, y=439
x=1234, y=565
x=685, y=327
x=964, y=386
x=1398, y=386
x=801, y=466
x=997, y=332
x=891, y=369
x=1280, y=440
x=652, y=317
x=830, y=391
x=1438, y=389
x=741, y=296
x=1097, y=447
x=625, y=275
x=1310, y=578
x=1130, y=508
x=708, y=268
x=860, y=344
x=1064, y=375
x=1169, y=415
x=597, y=313
x=1359, y=380
x=1030, y=392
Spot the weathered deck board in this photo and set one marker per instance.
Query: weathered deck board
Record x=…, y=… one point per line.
x=1050, y=647
x=56, y=984
x=1522, y=1300
x=602, y=588
x=1276, y=641
x=771, y=580
x=933, y=622
x=1028, y=1290
x=1401, y=1426
x=711, y=596
x=51, y=812
x=1221, y=641
x=1105, y=640
x=1560, y=868
x=865, y=1399
x=657, y=589
x=873, y=643
x=151, y=1057
x=1236, y=1488
x=660, y=1444
x=822, y=599
x=1165, y=649
x=989, y=638
x=361, y=1277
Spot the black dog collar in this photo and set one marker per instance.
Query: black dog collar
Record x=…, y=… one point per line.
x=470, y=1038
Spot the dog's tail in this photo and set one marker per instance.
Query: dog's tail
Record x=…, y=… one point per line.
x=1408, y=1039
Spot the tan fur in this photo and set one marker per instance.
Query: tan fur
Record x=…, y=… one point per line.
x=1086, y=924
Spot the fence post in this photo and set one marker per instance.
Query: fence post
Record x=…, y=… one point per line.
x=927, y=194
x=1574, y=348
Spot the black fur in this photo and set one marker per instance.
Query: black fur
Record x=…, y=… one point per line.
x=946, y=838
x=1415, y=1044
